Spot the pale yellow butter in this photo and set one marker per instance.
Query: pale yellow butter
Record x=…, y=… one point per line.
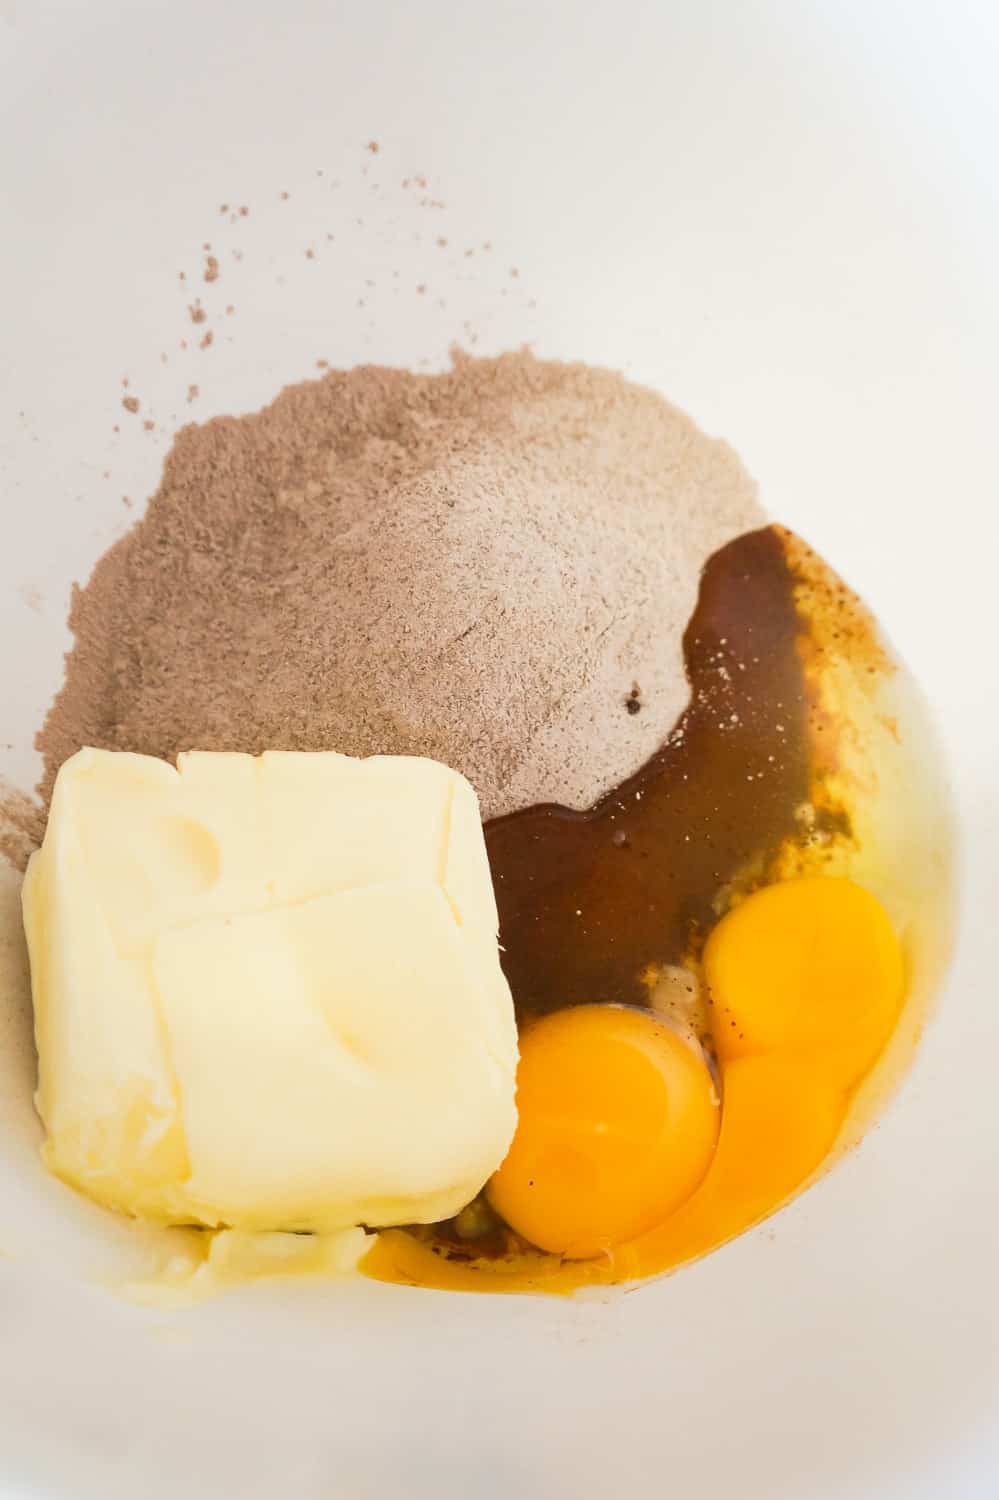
x=267, y=990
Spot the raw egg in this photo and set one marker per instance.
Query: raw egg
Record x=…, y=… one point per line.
x=804, y=964
x=617, y=1123
x=793, y=768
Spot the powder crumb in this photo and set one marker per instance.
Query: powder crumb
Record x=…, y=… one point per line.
x=164, y=360
x=441, y=242
x=229, y=310
x=22, y=824
x=514, y=272
x=207, y=340
x=211, y=268
x=193, y=392
x=243, y=211
x=197, y=312
x=223, y=208
x=285, y=197
x=310, y=255
x=130, y=403
x=421, y=289
x=126, y=501
x=272, y=559
x=374, y=147
x=322, y=364
x=148, y=425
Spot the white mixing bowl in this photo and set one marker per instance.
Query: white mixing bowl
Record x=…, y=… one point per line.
x=785, y=216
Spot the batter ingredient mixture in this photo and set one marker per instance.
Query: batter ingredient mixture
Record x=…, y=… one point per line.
x=547, y=578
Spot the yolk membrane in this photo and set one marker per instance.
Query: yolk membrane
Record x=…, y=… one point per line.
x=617, y=1122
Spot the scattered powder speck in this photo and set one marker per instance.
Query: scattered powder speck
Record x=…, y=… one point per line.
x=211, y=268
x=207, y=340
x=148, y=425
x=197, y=312
x=130, y=403
x=193, y=393
x=374, y=147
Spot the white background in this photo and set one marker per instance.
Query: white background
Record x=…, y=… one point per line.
x=786, y=216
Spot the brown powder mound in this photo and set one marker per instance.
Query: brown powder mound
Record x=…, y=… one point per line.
x=493, y=567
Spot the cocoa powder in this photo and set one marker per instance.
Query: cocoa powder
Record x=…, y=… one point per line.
x=491, y=566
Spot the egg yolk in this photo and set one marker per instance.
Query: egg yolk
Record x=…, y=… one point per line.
x=617, y=1146
x=804, y=965
x=617, y=1123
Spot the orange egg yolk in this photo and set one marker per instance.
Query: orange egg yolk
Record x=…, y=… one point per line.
x=618, y=1155
x=806, y=965
x=617, y=1121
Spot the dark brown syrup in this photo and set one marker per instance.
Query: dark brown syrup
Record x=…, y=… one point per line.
x=591, y=903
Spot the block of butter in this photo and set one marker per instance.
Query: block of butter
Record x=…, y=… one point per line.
x=267, y=990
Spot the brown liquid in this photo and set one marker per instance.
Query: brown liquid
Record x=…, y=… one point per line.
x=751, y=786
x=591, y=902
